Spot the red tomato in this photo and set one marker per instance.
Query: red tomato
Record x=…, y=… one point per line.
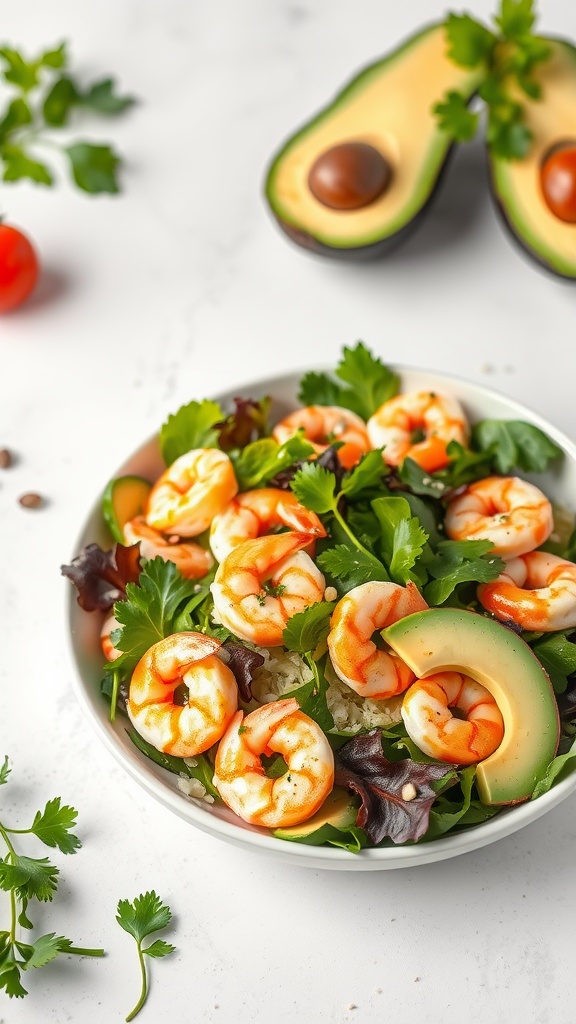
x=558, y=178
x=18, y=268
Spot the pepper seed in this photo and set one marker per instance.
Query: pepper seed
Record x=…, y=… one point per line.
x=31, y=500
x=5, y=458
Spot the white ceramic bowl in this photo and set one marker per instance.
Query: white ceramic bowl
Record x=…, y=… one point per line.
x=559, y=484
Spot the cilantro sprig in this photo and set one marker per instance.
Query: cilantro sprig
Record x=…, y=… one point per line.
x=46, y=97
x=366, y=383
x=506, y=57
x=146, y=915
x=33, y=878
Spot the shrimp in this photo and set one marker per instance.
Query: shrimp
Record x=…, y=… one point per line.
x=239, y=776
x=262, y=583
x=260, y=511
x=108, y=626
x=537, y=591
x=515, y=515
x=419, y=426
x=356, y=659
x=324, y=424
x=432, y=727
x=188, y=663
x=192, y=560
x=185, y=499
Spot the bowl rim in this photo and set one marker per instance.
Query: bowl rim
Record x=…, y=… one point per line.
x=154, y=779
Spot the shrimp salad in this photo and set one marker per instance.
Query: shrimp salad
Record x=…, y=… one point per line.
x=249, y=606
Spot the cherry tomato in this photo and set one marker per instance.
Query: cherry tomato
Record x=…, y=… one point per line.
x=18, y=268
x=558, y=179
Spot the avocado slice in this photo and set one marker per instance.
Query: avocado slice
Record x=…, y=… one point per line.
x=384, y=124
x=337, y=815
x=124, y=498
x=463, y=641
x=516, y=184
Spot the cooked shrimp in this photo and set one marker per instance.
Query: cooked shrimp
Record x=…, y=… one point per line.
x=185, y=499
x=186, y=662
x=435, y=731
x=324, y=424
x=510, y=512
x=257, y=512
x=369, y=671
x=262, y=583
x=108, y=626
x=419, y=426
x=240, y=778
x=537, y=591
x=192, y=560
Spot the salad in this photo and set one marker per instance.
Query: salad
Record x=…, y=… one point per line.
x=354, y=626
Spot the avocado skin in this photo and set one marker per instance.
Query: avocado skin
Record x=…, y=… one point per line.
x=520, y=244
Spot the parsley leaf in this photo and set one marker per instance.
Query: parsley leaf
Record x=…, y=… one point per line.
x=147, y=914
x=53, y=825
x=192, y=426
x=469, y=42
x=455, y=118
x=515, y=444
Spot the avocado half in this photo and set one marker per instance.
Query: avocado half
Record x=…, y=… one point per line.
x=516, y=183
x=452, y=639
x=388, y=107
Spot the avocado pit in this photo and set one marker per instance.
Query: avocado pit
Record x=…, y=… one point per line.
x=349, y=176
x=558, y=180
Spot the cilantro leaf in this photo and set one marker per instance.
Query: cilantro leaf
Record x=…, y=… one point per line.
x=17, y=114
x=147, y=614
x=18, y=71
x=372, y=383
x=455, y=118
x=315, y=488
x=320, y=389
x=28, y=877
x=402, y=537
x=469, y=42
x=94, y=168
x=59, y=101
x=365, y=476
x=262, y=460
x=18, y=165
x=306, y=630
x=45, y=949
x=516, y=18
x=192, y=426
x=56, y=58
x=420, y=481
x=10, y=979
x=460, y=561
x=4, y=770
x=311, y=696
x=349, y=567
x=515, y=444
x=52, y=826
x=145, y=915
x=102, y=97
x=508, y=138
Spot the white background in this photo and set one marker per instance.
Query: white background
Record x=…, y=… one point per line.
x=180, y=287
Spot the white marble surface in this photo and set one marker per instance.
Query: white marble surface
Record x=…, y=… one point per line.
x=180, y=287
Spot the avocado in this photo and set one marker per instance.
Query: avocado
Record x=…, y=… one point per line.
x=337, y=814
x=463, y=641
x=519, y=186
x=355, y=178
x=124, y=498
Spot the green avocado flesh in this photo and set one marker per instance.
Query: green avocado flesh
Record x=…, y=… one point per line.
x=388, y=106
x=451, y=639
x=516, y=183
x=337, y=812
x=123, y=499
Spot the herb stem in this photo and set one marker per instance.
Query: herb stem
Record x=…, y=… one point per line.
x=342, y=522
x=80, y=951
x=12, y=854
x=144, y=990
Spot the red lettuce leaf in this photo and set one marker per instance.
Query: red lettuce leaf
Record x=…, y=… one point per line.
x=242, y=661
x=245, y=424
x=362, y=767
x=100, y=577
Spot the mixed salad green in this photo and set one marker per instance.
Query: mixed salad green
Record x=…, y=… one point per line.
x=383, y=523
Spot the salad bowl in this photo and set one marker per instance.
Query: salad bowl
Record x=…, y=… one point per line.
x=558, y=483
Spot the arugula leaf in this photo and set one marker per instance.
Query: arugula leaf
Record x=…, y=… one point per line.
x=368, y=383
x=147, y=914
x=192, y=426
x=148, y=612
x=306, y=630
x=557, y=655
x=469, y=42
x=349, y=567
x=94, y=168
x=52, y=826
x=515, y=444
x=402, y=537
x=460, y=561
x=558, y=769
x=262, y=460
x=455, y=118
